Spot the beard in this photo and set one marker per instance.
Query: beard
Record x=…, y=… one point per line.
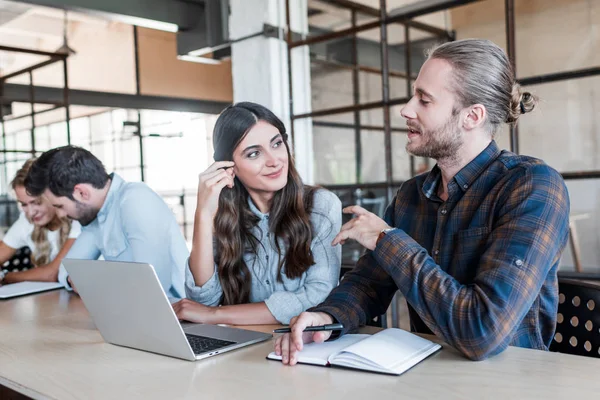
x=85, y=214
x=442, y=143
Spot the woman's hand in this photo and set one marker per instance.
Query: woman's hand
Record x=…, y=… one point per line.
x=210, y=184
x=188, y=310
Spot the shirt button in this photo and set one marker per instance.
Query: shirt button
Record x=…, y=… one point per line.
x=267, y=258
x=444, y=211
x=436, y=252
x=268, y=235
x=465, y=186
x=519, y=263
x=267, y=282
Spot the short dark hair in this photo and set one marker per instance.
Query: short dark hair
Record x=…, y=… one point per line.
x=60, y=169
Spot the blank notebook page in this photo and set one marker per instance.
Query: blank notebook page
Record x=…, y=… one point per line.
x=318, y=353
x=388, y=349
x=22, y=288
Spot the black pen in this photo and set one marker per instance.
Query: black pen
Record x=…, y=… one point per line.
x=329, y=327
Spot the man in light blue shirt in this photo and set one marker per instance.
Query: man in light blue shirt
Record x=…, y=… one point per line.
x=122, y=221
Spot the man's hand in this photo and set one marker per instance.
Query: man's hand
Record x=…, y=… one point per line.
x=289, y=344
x=188, y=310
x=364, y=228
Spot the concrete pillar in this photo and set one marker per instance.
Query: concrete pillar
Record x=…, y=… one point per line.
x=260, y=68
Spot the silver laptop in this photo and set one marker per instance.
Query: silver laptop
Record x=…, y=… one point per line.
x=130, y=308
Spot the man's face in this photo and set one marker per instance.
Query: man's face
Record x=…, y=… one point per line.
x=78, y=211
x=432, y=114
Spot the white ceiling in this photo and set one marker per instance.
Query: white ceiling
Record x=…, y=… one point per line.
x=10, y=11
x=41, y=28
x=37, y=28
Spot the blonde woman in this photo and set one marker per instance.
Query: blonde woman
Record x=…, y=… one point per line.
x=48, y=237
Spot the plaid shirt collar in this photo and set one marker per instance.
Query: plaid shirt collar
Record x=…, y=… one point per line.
x=465, y=177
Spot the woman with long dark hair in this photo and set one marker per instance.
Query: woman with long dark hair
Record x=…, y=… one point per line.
x=262, y=239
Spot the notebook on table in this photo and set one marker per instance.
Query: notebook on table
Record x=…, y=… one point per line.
x=29, y=287
x=390, y=351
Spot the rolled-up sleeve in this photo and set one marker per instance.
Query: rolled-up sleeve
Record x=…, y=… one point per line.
x=209, y=294
x=324, y=275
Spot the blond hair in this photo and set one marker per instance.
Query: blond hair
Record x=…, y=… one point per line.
x=39, y=236
x=484, y=75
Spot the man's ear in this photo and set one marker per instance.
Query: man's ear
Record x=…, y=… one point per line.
x=82, y=192
x=475, y=118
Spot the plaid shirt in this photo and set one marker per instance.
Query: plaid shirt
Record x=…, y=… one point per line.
x=478, y=270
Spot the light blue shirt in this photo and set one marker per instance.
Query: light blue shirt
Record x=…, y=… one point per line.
x=289, y=297
x=134, y=225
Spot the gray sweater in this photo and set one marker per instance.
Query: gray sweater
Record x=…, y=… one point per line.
x=290, y=297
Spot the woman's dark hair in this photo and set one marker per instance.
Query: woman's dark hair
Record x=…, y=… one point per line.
x=289, y=216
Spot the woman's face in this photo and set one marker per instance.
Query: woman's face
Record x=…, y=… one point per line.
x=38, y=210
x=261, y=159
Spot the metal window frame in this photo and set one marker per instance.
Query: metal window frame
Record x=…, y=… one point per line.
x=406, y=16
x=52, y=58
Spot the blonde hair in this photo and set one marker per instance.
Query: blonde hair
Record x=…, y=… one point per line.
x=39, y=236
x=485, y=76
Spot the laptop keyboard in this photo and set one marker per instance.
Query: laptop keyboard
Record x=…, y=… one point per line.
x=203, y=344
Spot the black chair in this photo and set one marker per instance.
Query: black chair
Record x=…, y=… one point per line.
x=20, y=261
x=578, y=321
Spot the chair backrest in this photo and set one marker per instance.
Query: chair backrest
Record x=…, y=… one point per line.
x=578, y=320
x=20, y=261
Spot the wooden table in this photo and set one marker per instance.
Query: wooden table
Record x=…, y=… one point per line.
x=49, y=348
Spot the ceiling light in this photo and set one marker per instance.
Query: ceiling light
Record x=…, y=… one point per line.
x=200, y=60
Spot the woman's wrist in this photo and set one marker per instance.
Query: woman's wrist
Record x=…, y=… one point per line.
x=204, y=217
x=213, y=316
x=10, y=277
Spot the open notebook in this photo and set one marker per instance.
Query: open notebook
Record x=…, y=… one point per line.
x=391, y=351
x=28, y=287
